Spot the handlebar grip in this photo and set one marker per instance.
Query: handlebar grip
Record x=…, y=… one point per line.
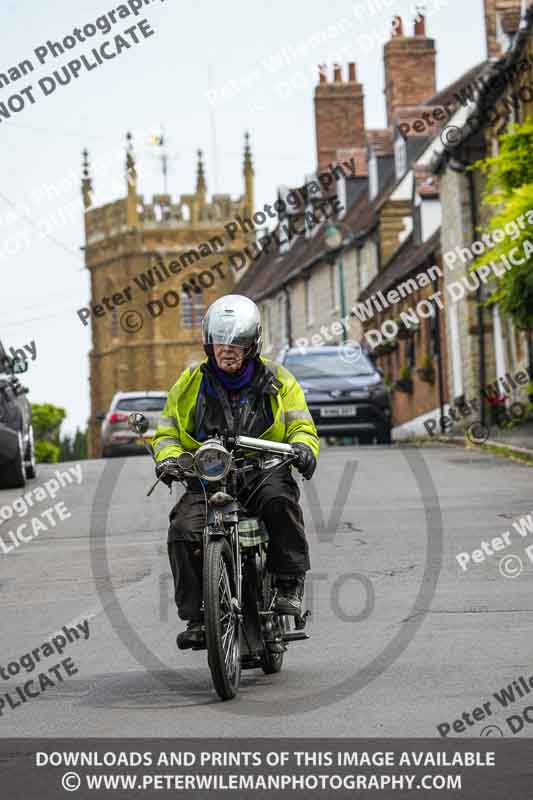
x=251, y=443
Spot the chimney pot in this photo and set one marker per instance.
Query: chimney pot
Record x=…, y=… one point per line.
x=323, y=77
x=409, y=68
x=397, y=26
x=337, y=76
x=351, y=71
x=420, y=25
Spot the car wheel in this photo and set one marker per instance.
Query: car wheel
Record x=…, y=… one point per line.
x=30, y=463
x=12, y=474
x=385, y=436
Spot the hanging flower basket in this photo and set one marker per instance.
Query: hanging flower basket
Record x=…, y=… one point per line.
x=426, y=374
x=390, y=346
x=405, y=331
x=404, y=385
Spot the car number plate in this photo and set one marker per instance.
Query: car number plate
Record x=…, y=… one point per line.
x=339, y=411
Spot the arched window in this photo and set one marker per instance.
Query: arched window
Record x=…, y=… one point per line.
x=192, y=308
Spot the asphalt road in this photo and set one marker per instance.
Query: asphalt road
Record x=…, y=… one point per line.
x=402, y=639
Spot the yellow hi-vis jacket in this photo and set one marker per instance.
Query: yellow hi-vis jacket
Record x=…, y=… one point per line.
x=292, y=419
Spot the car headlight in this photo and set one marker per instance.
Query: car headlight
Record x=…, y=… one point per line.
x=212, y=461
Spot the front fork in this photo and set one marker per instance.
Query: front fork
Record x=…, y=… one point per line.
x=225, y=523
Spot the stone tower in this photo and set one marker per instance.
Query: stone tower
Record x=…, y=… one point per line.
x=154, y=269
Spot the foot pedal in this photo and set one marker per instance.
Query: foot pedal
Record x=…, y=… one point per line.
x=250, y=662
x=296, y=636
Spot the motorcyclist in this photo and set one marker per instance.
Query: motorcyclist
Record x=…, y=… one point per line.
x=236, y=390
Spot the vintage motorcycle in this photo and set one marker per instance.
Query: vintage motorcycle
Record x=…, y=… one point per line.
x=242, y=628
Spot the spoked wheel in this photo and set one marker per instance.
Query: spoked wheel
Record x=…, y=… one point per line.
x=221, y=622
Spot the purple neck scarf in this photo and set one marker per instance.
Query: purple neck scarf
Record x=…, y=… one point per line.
x=237, y=380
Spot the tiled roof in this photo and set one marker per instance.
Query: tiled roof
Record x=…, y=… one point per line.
x=407, y=258
x=447, y=94
x=269, y=272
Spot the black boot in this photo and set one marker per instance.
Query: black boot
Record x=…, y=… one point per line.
x=193, y=637
x=290, y=593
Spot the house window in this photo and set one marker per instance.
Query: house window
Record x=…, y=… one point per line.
x=192, y=308
x=282, y=318
x=432, y=332
x=417, y=224
x=410, y=352
x=269, y=327
x=400, y=156
x=309, y=304
x=373, y=179
x=334, y=287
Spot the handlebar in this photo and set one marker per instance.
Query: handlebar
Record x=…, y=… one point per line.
x=244, y=442
x=279, y=448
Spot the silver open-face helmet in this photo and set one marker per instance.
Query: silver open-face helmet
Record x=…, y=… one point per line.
x=233, y=319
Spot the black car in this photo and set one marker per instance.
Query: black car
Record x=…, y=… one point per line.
x=345, y=392
x=17, y=454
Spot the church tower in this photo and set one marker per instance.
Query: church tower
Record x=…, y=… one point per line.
x=155, y=266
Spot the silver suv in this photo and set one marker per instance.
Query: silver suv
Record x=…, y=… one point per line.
x=117, y=438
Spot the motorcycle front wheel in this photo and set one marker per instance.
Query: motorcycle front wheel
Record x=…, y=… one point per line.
x=221, y=621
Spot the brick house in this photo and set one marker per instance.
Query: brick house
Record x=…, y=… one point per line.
x=406, y=208
x=484, y=347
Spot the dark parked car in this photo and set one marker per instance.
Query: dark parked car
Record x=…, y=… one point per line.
x=117, y=438
x=17, y=453
x=345, y=392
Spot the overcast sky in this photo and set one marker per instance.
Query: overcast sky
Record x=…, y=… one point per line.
x=199, y=47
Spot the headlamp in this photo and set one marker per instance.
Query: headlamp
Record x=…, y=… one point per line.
x=212, y=461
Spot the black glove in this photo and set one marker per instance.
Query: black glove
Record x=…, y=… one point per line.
x=171, y=463
x=305, y=460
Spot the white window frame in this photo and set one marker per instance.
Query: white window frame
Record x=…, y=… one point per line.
x=400, y=156
x=373, y=177
x=334, y=288
x=282, y=312
x=309, y=301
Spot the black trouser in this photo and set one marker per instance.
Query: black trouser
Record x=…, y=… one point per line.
x=276, y=502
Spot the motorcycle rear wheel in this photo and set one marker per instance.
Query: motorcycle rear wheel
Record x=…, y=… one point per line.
x=221, y=623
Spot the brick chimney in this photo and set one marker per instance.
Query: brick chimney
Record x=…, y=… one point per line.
x=502, y=19
x=339, y=115
x=410, y=67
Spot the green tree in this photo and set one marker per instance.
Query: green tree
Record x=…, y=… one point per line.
x=46, y=452
x=66, y=449
x=74, y=448
x=80, y=445
x=47, y=419
x=50, y=447
x=510, y=192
